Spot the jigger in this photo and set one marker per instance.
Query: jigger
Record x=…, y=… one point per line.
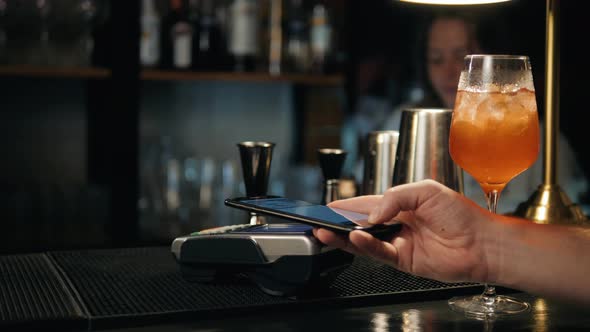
x=256, y=158
x=331, y=162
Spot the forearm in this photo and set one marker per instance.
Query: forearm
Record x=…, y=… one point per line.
x=541, y=259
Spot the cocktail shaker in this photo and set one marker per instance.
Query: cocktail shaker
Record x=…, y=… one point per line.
x=423, y=149
x=379, y=161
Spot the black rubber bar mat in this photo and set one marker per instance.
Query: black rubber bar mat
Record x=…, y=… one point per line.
x=125, y=287
x=34, y=295
x=115, y=288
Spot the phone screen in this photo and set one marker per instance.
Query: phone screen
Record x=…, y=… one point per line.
x=311, y=211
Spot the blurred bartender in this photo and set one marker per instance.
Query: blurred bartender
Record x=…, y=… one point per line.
x=448, y=37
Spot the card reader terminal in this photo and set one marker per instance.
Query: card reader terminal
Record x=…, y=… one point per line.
x=282, y=259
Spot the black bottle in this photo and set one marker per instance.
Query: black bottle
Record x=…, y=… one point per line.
x=211, y=42
x=243, y=38
x=171, y=18
x=194, y=19
x=297, y=53
x=181, y=33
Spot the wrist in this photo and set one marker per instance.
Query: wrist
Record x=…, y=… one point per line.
x=500, y=246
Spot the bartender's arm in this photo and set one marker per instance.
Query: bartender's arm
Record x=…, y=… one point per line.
x=449, y=238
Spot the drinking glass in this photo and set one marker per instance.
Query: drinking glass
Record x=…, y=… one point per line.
x=494, y=136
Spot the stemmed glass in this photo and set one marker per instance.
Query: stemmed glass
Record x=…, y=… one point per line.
x=494, y=136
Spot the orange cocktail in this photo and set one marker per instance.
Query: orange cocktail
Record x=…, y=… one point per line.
x=494, y=135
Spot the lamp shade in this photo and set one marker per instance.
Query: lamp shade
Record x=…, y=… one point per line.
x=454, y=2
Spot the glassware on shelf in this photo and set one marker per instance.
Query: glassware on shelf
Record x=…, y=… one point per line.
x=24, y=31
x=44, y=55
x=3, y=36
x=88, y=10
x=74, y=24
x=49, y=32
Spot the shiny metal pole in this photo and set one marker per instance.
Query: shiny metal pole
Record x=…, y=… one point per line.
x=550, y=204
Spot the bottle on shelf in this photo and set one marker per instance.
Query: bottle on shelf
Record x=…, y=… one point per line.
x=275, y=37
x=176, y=37
x=182, y=37
x=243, y=37
x=194, y=17
x=297, y=57
x=149, y=45
x=211, y=39
x=321, y=39
x=166, y=49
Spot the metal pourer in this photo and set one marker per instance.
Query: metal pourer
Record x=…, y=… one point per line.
x=331, y=162
x=256, y=158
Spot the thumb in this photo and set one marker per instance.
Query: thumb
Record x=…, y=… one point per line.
x=405, y=197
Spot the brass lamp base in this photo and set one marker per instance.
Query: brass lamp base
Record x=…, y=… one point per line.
x=550, y=205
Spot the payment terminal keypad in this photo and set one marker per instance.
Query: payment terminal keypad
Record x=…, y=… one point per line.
x=223, y=229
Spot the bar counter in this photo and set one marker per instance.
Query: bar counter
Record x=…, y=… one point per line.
x=544, y=316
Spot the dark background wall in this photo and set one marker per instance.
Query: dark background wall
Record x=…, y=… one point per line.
x=48, y=198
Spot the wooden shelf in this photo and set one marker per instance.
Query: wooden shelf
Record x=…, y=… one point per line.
x=165, y=75
x=170, y=75
x=58, y=72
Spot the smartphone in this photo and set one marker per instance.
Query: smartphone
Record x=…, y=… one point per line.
x=317, y=215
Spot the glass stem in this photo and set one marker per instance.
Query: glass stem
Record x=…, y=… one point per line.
x=492, y=200
x=489, y=293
